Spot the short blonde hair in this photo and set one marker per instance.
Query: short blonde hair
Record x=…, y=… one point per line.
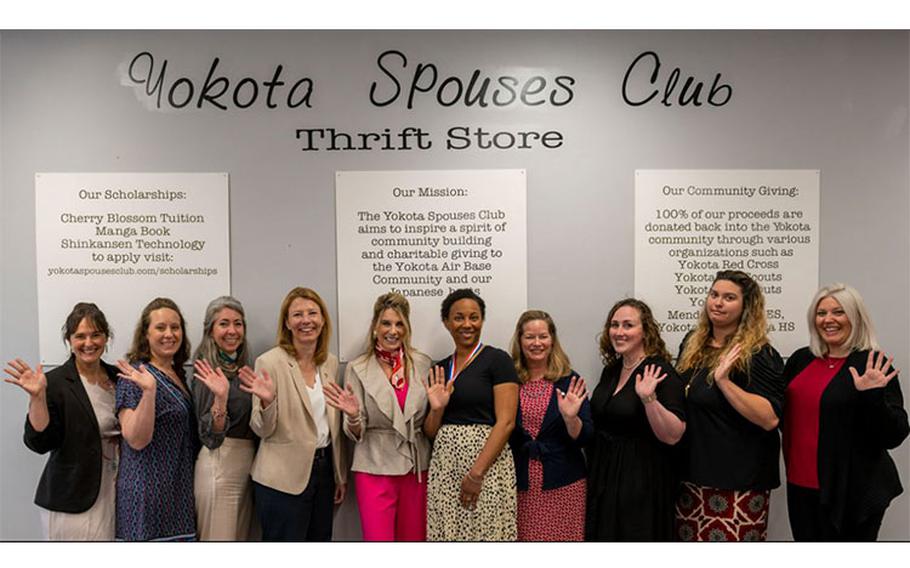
x=862, y=334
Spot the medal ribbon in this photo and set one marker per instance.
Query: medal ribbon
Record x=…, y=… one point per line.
x=453, y=372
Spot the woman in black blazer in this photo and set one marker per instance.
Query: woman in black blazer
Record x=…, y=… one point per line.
x=71, y=415
x=843, y=411
x=552, y=425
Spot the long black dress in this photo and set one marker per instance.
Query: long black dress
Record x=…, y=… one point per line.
x=632, y=477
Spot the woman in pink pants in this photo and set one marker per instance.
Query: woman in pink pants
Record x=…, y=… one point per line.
x=384, y=402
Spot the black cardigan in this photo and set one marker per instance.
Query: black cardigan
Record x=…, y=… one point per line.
x=857, y=478
x=72, y=476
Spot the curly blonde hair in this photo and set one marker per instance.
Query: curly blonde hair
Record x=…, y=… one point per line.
x=751, y=332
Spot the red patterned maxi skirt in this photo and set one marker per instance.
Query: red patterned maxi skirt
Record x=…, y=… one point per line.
x=719, y=515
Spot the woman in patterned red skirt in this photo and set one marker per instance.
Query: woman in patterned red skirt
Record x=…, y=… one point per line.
x=553, y=423
x=734, y=396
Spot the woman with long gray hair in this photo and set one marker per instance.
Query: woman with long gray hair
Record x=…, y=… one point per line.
x=224, y=506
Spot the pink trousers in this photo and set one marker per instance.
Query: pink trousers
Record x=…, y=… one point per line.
x=392, y=507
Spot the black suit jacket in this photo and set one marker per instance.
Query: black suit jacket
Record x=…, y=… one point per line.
x=72, y=476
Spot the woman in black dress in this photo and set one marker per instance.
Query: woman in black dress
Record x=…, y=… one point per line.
x=638, y=416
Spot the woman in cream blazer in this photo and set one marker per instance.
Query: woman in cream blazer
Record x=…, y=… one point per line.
x=299, y=472
x=384, y=404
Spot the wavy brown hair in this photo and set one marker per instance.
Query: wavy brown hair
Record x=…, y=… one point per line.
x=140, y=350
x=285, y=337
x=653, y=343
x=558, y=364
x=752, y=331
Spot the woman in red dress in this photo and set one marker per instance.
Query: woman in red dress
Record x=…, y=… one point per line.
x=553, y=423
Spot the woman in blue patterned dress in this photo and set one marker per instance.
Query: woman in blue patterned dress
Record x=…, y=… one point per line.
x=158, y=452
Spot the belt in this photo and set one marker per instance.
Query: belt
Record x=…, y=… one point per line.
x=322, y=453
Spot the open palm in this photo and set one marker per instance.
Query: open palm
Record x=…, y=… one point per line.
x=259, y=384
x=31, y=381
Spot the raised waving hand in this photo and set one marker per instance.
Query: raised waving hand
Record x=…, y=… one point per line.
x=259, y=384
x=141, y=377
x=438, y=388
x=31, y=381
x=876, y=375
x=569, y=402
x=646, y=384
x=342, y=399
x=213, y=379
x=725, y=365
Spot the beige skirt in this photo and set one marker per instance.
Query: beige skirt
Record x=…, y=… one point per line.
x=223, y=492
x=494, y=518
x=98, y=522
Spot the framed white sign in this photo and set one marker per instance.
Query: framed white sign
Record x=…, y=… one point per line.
x=424, y=234
x=122, y=239
x=689, y=224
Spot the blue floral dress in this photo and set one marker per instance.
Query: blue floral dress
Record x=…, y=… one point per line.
x=155, y=484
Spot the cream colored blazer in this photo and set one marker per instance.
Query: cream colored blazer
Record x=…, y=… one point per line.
x=391, y=441
x=287, y=428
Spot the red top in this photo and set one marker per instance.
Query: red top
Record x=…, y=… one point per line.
x=801, y=409
x=402, y=395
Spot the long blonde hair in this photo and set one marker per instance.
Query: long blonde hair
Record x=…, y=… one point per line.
x=400, y=305
x=751, y=332
x=558, y=364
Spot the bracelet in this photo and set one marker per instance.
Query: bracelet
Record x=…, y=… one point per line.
x=352, y=421
x=649, y=399
x=474, y=479
x=219, y=413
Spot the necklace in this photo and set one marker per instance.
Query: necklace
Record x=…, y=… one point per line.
x=634, y=364
x=832, y=361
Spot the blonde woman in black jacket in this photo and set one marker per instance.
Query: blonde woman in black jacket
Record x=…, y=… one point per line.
x=843, y=411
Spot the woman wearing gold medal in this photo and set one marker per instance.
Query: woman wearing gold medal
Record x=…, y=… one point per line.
x=473, y=396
